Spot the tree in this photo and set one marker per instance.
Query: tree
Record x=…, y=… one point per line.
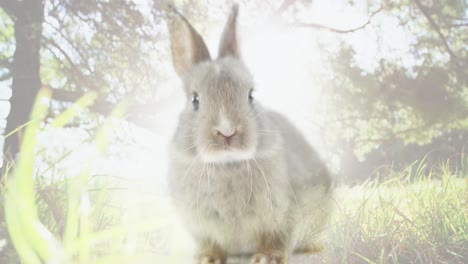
x=28, y=17
x=406, y=98
x=74, y=47
x=404, y=101
x=117, y=50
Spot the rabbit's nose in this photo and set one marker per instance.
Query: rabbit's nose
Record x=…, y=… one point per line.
x=227, y=135
x=225, y=128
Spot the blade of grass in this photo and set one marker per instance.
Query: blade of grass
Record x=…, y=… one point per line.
x=29, y=236
x=81, y=104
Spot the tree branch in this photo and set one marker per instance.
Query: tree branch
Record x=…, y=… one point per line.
x=100, y=106
x=75, y=73
x=335, y=30
x=10, y=6
x=69, y=41
x=458, y=25
x=136, y=114
x=285, y=5
x=436, y=28
x=59, y=48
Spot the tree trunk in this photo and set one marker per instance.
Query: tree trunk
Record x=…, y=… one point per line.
x=28, y=16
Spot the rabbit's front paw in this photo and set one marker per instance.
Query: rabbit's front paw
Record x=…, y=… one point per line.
x=272, y=258
x=210, y=260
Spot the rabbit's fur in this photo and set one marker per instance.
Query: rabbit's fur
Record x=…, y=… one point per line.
x=264, y=190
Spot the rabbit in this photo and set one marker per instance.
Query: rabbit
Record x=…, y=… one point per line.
x=243, y=179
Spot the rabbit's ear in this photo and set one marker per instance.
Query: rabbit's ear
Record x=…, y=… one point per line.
x=229, y=45
x=188, y=47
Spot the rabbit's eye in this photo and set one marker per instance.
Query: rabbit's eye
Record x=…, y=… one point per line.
x=251, y=97
x=195, y=100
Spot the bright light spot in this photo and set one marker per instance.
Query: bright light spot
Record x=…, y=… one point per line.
x=285, y=63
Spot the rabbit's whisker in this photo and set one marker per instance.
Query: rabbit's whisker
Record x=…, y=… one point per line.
x=190, y=147
x=251, y=183
x=258, y=113
x=267, y=185
x=210, y=169
x=249, y=113
x=187, y=136
x=266, y=130
x=191, y=165
x=198, y=195
x=265, y=133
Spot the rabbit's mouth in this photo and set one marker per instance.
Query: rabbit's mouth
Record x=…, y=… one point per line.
x=227, y=155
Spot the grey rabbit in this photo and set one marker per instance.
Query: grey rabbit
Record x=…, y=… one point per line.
x=243, y=178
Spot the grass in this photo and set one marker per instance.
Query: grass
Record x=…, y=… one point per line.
x=413, y=217
x=418, y=215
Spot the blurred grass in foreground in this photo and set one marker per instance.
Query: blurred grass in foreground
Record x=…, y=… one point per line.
x=74, y=232
x=418, y=215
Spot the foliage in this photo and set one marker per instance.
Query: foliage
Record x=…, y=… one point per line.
x=109, y=47
x=413, y=96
